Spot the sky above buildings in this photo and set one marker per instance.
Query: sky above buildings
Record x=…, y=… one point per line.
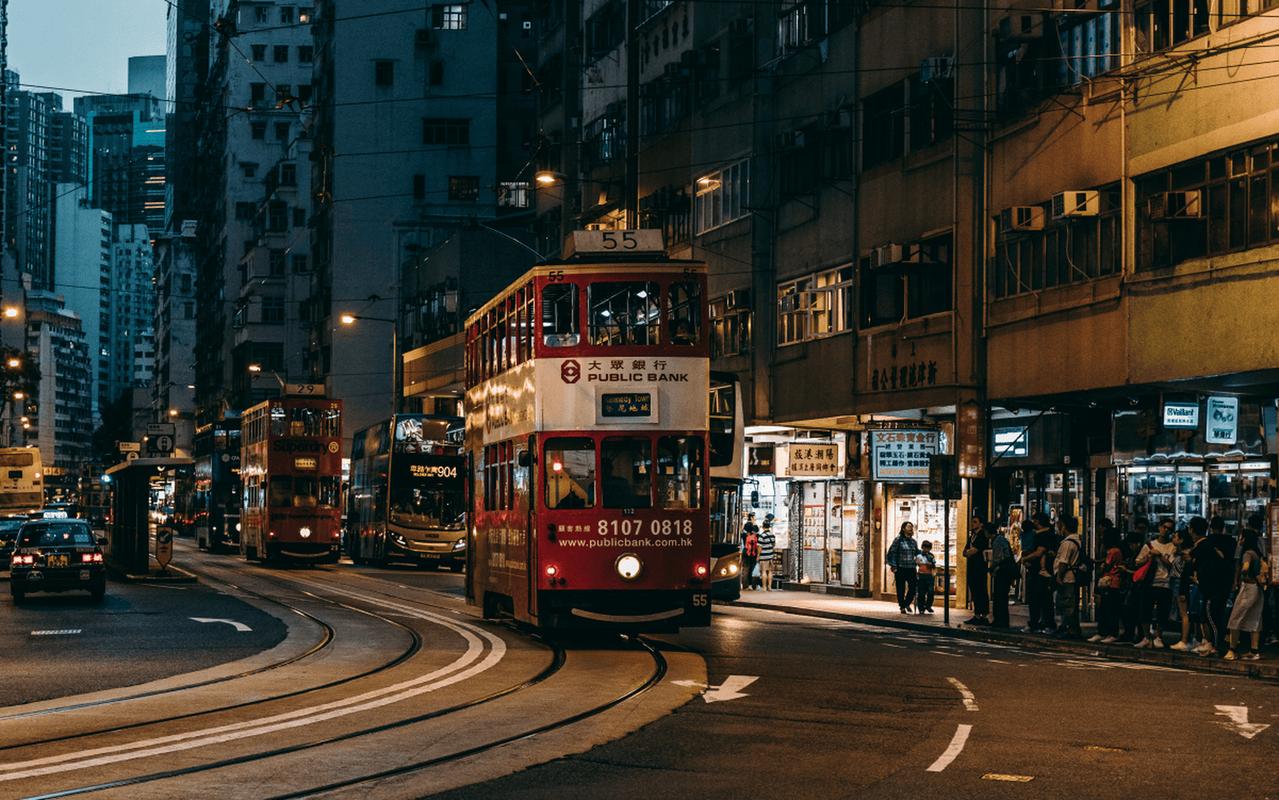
x=82, y=45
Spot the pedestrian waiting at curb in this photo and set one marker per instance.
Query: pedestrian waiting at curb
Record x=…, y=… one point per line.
x=901, y=559
x=1186, y=594
x=1245, y=617
x=750, y=551
x=1040, y=589
x=1003, y=571
x=1111, y=580
x=1068, y=567
x=1214, y=569
x=1154, y=576
x=976, y=551
x=767, y=552
x=926, y=571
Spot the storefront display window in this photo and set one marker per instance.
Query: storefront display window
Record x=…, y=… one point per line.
x=926, y=515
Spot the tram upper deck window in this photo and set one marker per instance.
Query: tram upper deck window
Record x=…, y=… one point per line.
x=679, y=472
x=626, y=469
x=683, y=312
x=570, y=473
x=624, y=313
x=559, y=315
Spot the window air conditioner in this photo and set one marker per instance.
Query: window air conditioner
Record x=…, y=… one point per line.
x=1076, y=203
x=739, y=298
x=886, y=254
x=1176, y=205
x=936, y=68
x=1021, y=218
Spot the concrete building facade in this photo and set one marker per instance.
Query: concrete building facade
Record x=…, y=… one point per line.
x=83, y=253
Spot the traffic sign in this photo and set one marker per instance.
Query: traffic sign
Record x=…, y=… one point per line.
x=129, y=447
x=164, y=546
x=131, y=456
x=162, y=443
x=161, y=429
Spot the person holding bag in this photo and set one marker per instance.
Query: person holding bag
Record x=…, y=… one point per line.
x=1110, y=587
x=1246, y=615
x=1003, y=569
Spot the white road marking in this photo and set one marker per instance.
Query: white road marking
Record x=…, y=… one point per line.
x=239, y=626
x=890, y=644
x=465, y=666
x=57, y=632
x=970, y=700
x=1237, y=721
x=730, y=689
x=997, y=661
x=1000, y=776
x=944, y=653
x=953, y=750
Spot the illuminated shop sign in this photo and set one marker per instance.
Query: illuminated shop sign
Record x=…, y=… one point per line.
x=1222, y=420
x=1012, y=442
x=1182, y=415
x=902, y=455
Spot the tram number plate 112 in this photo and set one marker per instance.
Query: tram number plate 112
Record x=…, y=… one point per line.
x=626, y=404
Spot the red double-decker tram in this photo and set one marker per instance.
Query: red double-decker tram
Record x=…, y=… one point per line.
x=586, y=431
x=291, y=470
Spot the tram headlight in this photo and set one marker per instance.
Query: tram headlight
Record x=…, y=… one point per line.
x=304, y=532
x=733, y=569
x=628, y=566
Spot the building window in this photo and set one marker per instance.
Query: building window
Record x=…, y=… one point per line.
x=721, y=196
x=514, y=194
x=448, y=132
x=884, y=126
x=277, y=217
x=931, y=111
x=257, y=93
x=464, y=188
x=1162, y=24
x=306, y=54
x=916, y=282
x=299, y=217
x=273, y=310
x=245, y=212
x=730, y=327
x=281, y=131
x=383, y=73
x=801, y=22
x=288, y=174
x=1062, y=252
x=275, y=262
x=815, y=306
x=281, y=53
x=435, y=74
x=249, y=169
x=286, y=15
x=259, y=52
x=450, y=17
x=262, y=14
x=419, y=187
x=300, y=263
x=1089, y=47
x=304, y=92
x=1210, y=206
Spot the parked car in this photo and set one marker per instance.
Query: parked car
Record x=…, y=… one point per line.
x=8, y=536
x=57, y=555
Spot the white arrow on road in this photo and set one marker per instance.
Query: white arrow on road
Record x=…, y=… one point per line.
x=1237, y=721
x=730, y=689
x=239, y=626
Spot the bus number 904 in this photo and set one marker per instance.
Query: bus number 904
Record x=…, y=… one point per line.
x=635, y=527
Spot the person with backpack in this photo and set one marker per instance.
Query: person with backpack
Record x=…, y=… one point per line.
x=1214, y=570
x=901, y=560
x=1003, y=571
x=1039, y=593
x=1246, y=614
x=750, y=551
x=1067, y=567
x=1154, y=575
x=767, y=551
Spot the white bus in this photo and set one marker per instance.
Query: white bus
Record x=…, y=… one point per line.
x=21, y=479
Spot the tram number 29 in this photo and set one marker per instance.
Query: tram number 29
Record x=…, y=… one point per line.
x=637, y=527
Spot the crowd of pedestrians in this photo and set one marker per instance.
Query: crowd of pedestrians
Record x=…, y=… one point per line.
x=1194, y=589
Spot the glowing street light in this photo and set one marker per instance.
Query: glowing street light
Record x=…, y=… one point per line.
x=545, y=177
x=14, y=363
x=255, y=368
x=347, y=319
x=18, y=395
x=11, y=311
x=173, y=412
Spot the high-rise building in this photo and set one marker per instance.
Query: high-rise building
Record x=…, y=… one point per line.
x=251, y=213
x=131, y=309
x=408, y=149
x=60, y=414
x=126, y=157
x=147, y=76
x=82, y=262
x=174, y=386
x=34, y=137
x=4, y=130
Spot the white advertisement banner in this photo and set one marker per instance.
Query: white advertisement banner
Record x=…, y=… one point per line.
x=1223, y=420
x=902, y=455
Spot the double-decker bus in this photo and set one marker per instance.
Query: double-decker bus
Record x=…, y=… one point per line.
x=586, y=430
x=21, y=480
x=217, y=489
x=291, y=471
x=727, y=444
x=407, y=498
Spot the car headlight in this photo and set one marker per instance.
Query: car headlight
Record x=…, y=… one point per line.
x=398, y=539
x=460, y=544
x=628, y=566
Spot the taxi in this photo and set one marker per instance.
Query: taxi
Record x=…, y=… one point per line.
x=57, y=555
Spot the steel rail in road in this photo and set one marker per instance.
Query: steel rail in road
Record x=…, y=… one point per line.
x=415, y=645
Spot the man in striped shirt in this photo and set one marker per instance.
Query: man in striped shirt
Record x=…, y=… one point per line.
x=767, y=549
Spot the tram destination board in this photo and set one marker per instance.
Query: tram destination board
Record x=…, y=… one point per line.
x=626, y=404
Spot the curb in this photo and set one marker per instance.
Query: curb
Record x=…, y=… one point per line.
x=177, y=575
x=1162, y=658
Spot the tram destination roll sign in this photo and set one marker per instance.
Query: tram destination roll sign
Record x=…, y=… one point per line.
x=902, y=455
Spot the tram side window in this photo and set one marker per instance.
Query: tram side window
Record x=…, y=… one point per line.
x=623, y=313
x=684, y=312
x=559, y=315
x=679, y=472
x=570, y=472
x=626, y=473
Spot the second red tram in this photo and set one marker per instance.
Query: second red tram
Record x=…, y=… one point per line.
x=586, y=431
x=291, y=471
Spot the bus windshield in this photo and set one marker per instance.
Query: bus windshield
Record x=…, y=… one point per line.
x=305, y=491
x=428, y=505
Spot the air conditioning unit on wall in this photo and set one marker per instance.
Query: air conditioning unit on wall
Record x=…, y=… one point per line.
x=1176, y=205
x=1021, y=218
x=1076, y=203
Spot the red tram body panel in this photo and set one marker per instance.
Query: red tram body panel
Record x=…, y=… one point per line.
x=586, y=434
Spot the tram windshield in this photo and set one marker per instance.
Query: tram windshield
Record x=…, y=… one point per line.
x=305, y=491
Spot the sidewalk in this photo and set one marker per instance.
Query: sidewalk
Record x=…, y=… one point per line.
x=886, y=614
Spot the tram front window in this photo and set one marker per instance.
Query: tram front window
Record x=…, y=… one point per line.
x=626, y=473
x=304, y=492
x=679, y=472
x=623, y=313
x=559, y=315
x=684, y=312
x=570, y=473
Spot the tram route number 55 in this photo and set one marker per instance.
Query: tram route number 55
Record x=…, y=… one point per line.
x=644, y=240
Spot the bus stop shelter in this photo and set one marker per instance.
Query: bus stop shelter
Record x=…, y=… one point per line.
x=130, y=531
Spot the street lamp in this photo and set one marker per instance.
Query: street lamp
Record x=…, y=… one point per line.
x=14, y=363
x=545, y=177
x=173, y=412
x=255, y=368
x=18, y=395
x=348, y=319
x=11, y=311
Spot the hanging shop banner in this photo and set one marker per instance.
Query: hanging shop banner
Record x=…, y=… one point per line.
x=1181, y=415
x=902, y=455
x=1012, y=441
x=1223, y=420
x=820, y=460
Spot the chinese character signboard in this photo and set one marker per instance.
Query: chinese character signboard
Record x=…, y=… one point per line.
x=1181, y=415
x=902, y=455
x=818, y=460
x=1223, y=420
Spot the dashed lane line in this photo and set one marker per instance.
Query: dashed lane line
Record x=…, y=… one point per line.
x=953, y=750
x=57, y=632
x=1000, y=776
x=970, y=700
